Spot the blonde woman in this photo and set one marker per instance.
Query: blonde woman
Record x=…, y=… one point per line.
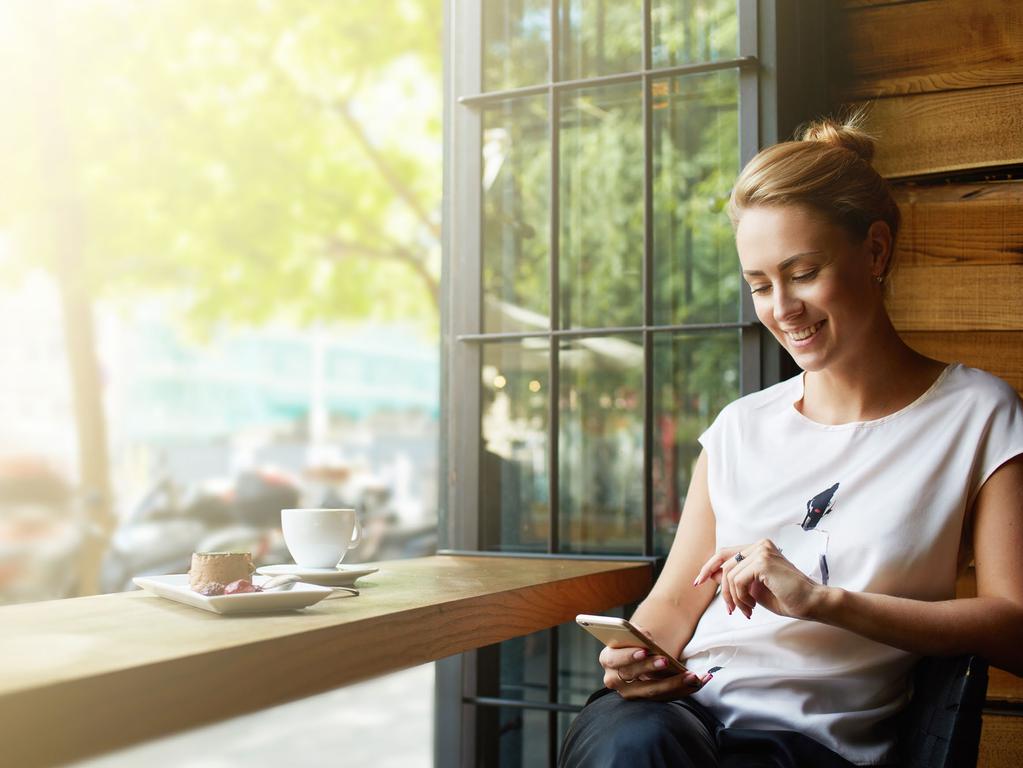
x=829, y=515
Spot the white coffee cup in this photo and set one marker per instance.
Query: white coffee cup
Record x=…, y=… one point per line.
x=319, y=538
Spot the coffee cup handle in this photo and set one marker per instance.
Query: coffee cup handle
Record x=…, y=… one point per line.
x=356, y=536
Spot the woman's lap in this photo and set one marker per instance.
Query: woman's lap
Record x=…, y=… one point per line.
x=612, y=732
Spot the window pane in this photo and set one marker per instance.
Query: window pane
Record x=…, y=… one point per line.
x=696, y=160
x=601, y=445
x=513, y=458
x=687, y=31
x=600, y=38
x=516, y=202
x=695, y=376
x=522, y=738
x=601, y=187
x=516, y=43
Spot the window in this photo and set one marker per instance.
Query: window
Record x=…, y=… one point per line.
x=595, y=322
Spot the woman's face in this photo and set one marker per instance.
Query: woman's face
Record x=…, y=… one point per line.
x=812, y=286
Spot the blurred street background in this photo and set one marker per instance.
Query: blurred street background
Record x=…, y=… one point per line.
x=219, y=272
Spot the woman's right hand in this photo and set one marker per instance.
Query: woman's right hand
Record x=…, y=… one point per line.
x=637, y=674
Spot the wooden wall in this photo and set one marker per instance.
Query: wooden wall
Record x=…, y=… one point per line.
x=944, y=80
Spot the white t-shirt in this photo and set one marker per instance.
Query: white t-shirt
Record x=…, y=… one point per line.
x=875, y=506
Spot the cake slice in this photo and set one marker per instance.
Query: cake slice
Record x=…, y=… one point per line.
x=212, y=571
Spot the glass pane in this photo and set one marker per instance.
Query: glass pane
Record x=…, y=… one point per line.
x=695, y=376
x=696, y=160
x=601, y=445
x=516, y=43
x=601, y=187
x=600, y=37
x=513, y=459
x=523, y=666
x=522, y=738
x=687, y=31
x=516, y=202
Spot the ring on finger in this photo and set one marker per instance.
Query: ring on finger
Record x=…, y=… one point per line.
x=739, y=557
x=627, y=681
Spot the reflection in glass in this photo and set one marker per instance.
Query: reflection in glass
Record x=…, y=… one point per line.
x=601, y=187
x=696, y=160
x=688, y=31
x=513, y=459
x=516, y=200
x=523, y=738
x=516, y=43
x=695, y=376
x=601, y=445
x=600, y=38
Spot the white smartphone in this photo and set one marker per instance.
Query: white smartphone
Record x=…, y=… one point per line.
x=619, y=633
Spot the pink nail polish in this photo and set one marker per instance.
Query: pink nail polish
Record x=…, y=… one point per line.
x=660, y=664
x=640, y=654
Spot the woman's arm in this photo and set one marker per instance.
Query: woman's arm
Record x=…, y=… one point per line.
x=673, y=608
x=990, y=625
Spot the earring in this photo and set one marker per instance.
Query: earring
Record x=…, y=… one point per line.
x=879, y=278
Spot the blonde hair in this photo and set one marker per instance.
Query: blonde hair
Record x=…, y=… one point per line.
x=827, y=169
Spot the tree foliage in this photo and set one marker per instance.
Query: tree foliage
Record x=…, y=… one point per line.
x=266, y=158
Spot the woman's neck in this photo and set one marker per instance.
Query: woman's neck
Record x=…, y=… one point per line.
x=876, y=383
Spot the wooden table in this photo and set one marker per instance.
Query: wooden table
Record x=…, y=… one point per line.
x=83, y=676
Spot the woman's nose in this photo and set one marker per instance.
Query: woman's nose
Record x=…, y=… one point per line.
x=786, y=305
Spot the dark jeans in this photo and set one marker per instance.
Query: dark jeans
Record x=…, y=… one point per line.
x=612, y=732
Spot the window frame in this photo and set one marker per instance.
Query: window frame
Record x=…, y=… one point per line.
x=780, y=41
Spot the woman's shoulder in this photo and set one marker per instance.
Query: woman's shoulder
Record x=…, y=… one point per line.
x=768, y=400
x=979, y=386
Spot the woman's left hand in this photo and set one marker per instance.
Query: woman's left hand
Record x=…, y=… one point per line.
x=762, y=576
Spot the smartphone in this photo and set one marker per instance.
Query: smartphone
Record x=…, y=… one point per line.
x=619, y=633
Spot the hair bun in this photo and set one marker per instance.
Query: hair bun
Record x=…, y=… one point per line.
x=847, y=135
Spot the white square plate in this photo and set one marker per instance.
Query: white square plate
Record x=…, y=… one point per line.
x=175, y=587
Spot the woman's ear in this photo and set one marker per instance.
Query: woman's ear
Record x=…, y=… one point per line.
x=879, y=244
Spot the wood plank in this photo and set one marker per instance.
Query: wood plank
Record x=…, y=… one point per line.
x=940, y=45
x=1004, y=686
x=968, y=297
x=1001, y=742
x=950, y=131
x=82, y=676
x=998, y=352
x=953, y=224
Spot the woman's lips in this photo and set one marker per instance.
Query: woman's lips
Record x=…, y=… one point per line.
x=804, y=336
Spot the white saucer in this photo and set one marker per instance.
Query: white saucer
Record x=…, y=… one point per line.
x=342, y=576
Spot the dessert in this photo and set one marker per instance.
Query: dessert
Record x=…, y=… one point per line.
x=211, y=572
x=241, y=587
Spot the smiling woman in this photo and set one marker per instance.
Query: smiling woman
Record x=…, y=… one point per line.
x=833, y=510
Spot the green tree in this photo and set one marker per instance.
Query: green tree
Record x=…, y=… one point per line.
x=268, y=159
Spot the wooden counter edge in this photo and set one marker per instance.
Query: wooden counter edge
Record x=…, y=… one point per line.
x=71, y=721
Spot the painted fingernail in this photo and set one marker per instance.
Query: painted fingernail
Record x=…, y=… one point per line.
x=660, y=664
x=696, y=581
x=640, y=654
x=707, y=679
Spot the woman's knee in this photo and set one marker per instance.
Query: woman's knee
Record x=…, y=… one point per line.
x=613, y=732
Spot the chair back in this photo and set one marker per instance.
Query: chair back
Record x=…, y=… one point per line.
x=941, y=726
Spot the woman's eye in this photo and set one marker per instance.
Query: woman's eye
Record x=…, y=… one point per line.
x=805, y=276
x=755, y=289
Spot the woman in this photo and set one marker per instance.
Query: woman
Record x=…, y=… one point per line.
x=828, y=516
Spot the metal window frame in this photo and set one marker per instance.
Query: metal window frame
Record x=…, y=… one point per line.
x=782, y=70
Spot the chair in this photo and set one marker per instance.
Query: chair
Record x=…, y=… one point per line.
x=941, y=726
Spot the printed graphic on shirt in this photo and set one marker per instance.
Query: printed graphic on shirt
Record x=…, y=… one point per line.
x=819, y=506
x=804, y=544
